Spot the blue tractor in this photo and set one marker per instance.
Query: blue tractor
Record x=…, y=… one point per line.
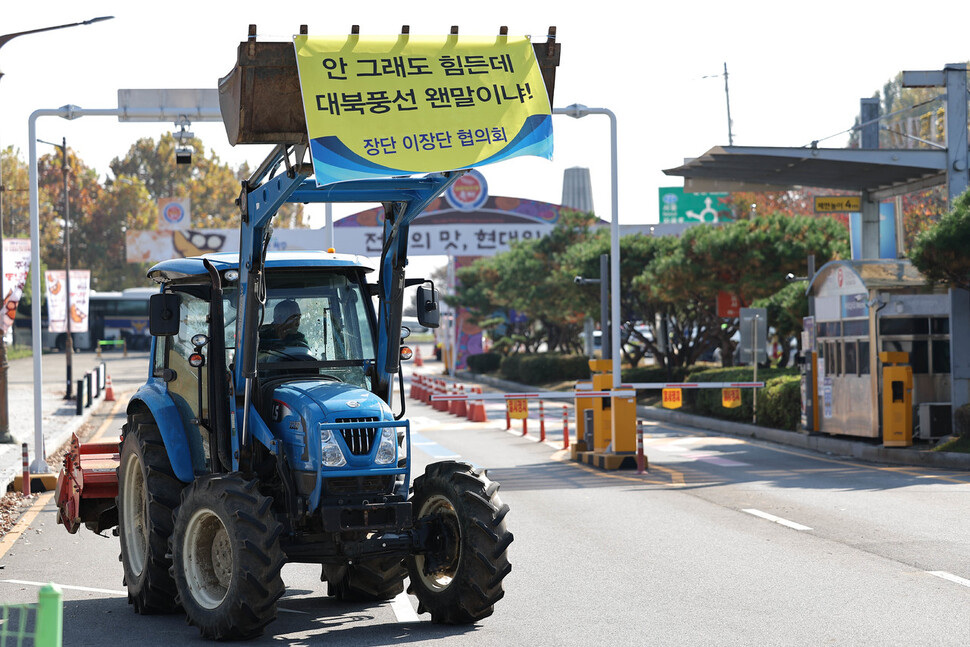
x=266, y=431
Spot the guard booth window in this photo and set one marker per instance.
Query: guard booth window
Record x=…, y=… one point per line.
x=851, y=358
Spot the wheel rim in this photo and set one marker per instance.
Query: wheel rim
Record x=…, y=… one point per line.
x=134, y=515
x=207, y=559
x=440, y=575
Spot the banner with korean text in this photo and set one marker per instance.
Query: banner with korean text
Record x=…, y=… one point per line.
x=398, y=105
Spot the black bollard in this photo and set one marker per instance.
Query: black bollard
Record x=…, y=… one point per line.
x=80, y=396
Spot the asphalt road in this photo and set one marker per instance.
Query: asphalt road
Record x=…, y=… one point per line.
x=722, y=542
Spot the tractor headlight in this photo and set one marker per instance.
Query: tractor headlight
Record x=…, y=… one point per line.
x=387, y=449
x=333, y=456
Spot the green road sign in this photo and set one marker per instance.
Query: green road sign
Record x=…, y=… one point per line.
x=677, y=206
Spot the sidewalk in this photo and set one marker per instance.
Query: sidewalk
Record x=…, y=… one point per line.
x=58, y=416
x=821, y=443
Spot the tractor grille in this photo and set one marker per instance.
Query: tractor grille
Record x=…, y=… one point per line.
x=362, y=485
x=360, y=440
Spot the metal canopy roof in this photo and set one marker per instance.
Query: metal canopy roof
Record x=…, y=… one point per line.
x=883, y=172
x=875, y=274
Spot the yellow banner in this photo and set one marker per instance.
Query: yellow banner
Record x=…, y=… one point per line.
x=518, y=409
x=672, y=398
x=731, y=398
x=380, y=106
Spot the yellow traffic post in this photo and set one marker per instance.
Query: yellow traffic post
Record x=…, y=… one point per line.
x=897, y=400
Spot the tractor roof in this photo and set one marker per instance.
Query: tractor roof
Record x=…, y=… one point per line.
x=184, y=268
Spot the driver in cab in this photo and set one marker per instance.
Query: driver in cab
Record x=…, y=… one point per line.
x=283, y=334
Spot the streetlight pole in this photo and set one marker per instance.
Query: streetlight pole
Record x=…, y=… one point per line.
x=578, y=111
x=5, y=436
x=69, y=339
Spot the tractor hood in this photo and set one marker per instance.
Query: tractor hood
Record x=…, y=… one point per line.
x=326, y=401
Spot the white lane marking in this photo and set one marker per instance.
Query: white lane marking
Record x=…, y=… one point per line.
x=771, y=517
x=716, y=460
x=403, y=611
x=87, y=589
x=951, y=577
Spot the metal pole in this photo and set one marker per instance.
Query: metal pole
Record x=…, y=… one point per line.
x=5, y=436
x=69, y=341
x=727, y=96
x=605, y=347
x=754, y=353
x=578, y=111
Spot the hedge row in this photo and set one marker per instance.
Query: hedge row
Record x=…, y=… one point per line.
x=779, y=402
x=540, y=368
x=532, y=368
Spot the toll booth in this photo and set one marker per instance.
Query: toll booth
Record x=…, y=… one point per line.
x=875, y=321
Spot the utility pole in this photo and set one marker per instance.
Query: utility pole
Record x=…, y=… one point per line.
x=69, y=341
x=727, y=96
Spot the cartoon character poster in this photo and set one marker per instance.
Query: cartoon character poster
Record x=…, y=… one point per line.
x=16, y=262
x=57, y=308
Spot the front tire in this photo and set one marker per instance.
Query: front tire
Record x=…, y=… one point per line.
x=227, y=558
x=148, y=493
x=459, y=579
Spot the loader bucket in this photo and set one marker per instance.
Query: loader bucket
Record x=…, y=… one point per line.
x=260, y=98
x=261, y=102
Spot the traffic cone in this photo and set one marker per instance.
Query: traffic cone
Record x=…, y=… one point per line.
x=109, y=393
x=443, y=389
x=476, y=409
x=461, y=408
x=417, y=356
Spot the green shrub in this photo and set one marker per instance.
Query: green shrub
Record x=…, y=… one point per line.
x=779, y=402
x=962, y=419
x=653, y=374
x=540, y=368
x=484, y=362
x=782, y=403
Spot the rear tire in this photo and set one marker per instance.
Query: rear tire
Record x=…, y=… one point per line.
x=148, y=493
x=227, y=558
x=372, y=580
x=459, y=580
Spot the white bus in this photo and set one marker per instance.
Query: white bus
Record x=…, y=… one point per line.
x=111, y=316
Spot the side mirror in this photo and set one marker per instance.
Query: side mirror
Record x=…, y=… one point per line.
x=163, y=314
x=428, y=314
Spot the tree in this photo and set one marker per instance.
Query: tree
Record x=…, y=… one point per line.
x=748, y=259
x=211, y=185
x=542, y=309
x=637, y=302
x=125, y=206
x=940, y=252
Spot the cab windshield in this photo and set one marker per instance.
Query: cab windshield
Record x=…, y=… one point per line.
x=317, y=323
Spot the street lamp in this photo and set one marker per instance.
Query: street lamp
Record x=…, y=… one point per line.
x=577, y=111
x=69, y=339
x=5, y=436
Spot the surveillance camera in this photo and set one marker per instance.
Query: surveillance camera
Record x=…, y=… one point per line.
x=183, y=155
x=578, y=280
x=789, y=277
